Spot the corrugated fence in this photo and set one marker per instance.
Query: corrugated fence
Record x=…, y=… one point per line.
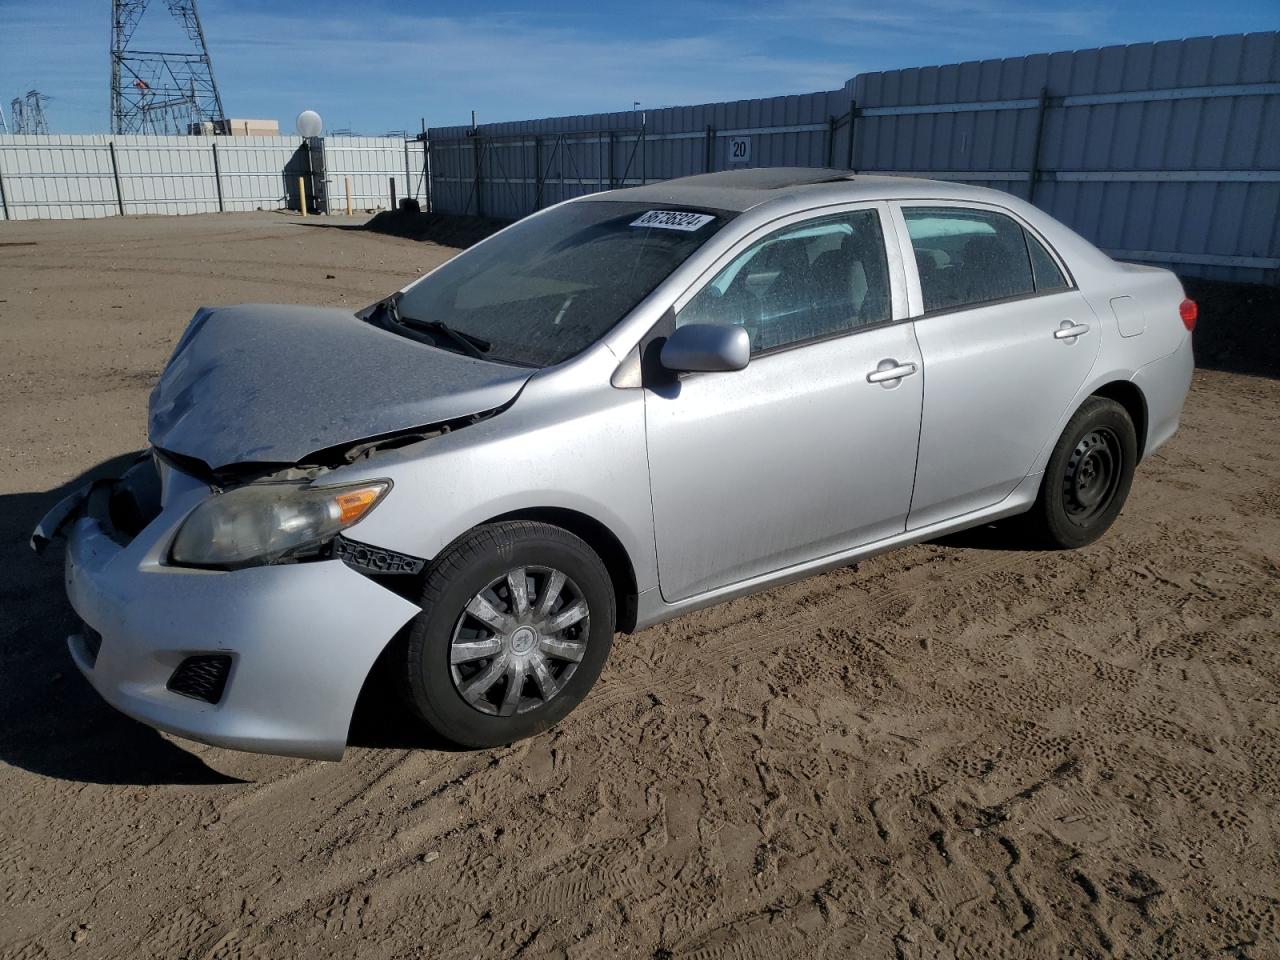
x=1161, y=152
x=81, y=176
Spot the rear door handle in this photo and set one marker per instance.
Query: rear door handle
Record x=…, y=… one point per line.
x=1069, y=330
x=887, y=370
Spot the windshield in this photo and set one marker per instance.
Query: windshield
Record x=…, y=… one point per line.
x=550, y=286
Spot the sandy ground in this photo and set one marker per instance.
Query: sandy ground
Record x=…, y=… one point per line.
x=961, y=749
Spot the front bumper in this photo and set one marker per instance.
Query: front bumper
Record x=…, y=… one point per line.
x=302, y=637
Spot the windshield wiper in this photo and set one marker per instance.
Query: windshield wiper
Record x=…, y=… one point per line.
x=468, y=343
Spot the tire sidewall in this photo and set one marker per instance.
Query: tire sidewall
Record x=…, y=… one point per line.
x=449, y=587
x=1096, y=412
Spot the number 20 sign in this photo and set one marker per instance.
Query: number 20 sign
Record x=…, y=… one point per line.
x=739, y=149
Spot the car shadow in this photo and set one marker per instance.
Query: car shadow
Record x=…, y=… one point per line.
x=1005, y=535
x=52, y=722
x=382, y=720
x=447, y=230
x=1237, y=330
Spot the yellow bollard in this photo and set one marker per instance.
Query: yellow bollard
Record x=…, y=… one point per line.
x=348, y=179
x=302, y=195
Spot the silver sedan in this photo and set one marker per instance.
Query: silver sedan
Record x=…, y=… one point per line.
x=615, y=411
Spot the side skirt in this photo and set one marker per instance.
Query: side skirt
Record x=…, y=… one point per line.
x=652, y=609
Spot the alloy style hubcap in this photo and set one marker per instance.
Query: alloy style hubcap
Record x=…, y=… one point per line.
x=1092, y=476
x=519, y=640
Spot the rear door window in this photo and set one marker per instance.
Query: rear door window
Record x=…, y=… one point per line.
x=967, y=257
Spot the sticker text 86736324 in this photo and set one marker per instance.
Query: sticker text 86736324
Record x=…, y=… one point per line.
x=672, y=220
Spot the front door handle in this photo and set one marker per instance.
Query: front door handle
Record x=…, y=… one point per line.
x=890, y=370
x=1069, y=330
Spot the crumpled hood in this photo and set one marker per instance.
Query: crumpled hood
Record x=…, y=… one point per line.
x=265, y=383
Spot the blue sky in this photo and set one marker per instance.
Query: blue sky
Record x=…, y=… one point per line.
x=379, y=65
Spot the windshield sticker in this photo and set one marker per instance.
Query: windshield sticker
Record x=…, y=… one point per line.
x=673, y=220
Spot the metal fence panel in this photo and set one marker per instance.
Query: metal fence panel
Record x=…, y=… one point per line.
x=1163, y=152
x=511, y=169
x=56, y=177
x=166, y=175
x=258, y=173
x=370, y=164
x=66, y=177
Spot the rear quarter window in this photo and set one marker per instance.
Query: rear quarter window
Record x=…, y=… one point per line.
x=1045, y=270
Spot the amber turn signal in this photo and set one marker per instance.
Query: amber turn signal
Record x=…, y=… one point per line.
x=354, y=504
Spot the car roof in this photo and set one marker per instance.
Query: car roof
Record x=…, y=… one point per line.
x=740, y=190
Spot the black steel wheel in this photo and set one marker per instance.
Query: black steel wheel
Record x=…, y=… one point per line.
x=1094, y=470
x=1088, y=476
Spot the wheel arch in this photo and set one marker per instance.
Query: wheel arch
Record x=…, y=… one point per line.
x=603, y=541
x=1128, y=395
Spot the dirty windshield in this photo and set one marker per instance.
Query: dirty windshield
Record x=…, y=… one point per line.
x=551, y=285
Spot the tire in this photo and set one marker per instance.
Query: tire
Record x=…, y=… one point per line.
x=1087, y=478
x=469, y=700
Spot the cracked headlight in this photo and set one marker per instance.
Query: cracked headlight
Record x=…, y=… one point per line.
x=263, y=523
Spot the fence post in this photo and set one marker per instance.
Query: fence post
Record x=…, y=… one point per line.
x=4, y=198
x=853, y=120
x=217, y=177
x=477, y=159
x=392, y=183
x=611, y=183
x=561, y=151
x=115, y=175
x=1041, y=109
x=537, y=173
x=711, y=148
x=831, y=140
x=426, y=175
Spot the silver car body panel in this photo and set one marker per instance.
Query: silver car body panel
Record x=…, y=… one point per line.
x=721, y=485
x=725, y=446
x=271, y=384
x=1029, y=377
x=302, y=637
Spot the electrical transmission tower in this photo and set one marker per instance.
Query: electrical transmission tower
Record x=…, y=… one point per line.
x=28, y=113
x=154, y=92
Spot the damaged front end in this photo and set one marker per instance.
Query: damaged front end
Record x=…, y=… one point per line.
x=222, y=592
x=122, y=506
x=257, y=649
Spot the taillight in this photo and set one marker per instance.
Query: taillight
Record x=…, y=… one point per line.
x=1188, y=311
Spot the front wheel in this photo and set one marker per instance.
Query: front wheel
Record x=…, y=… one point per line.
x=517, y=621
x=1088, y=476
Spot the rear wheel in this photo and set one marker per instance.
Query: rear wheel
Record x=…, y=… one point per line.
x=1088, y=476
x=517, y=622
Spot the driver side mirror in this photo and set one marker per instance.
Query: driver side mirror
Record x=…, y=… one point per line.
x=706, y=348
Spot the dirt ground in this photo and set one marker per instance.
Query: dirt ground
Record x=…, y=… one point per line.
x=961, y=749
